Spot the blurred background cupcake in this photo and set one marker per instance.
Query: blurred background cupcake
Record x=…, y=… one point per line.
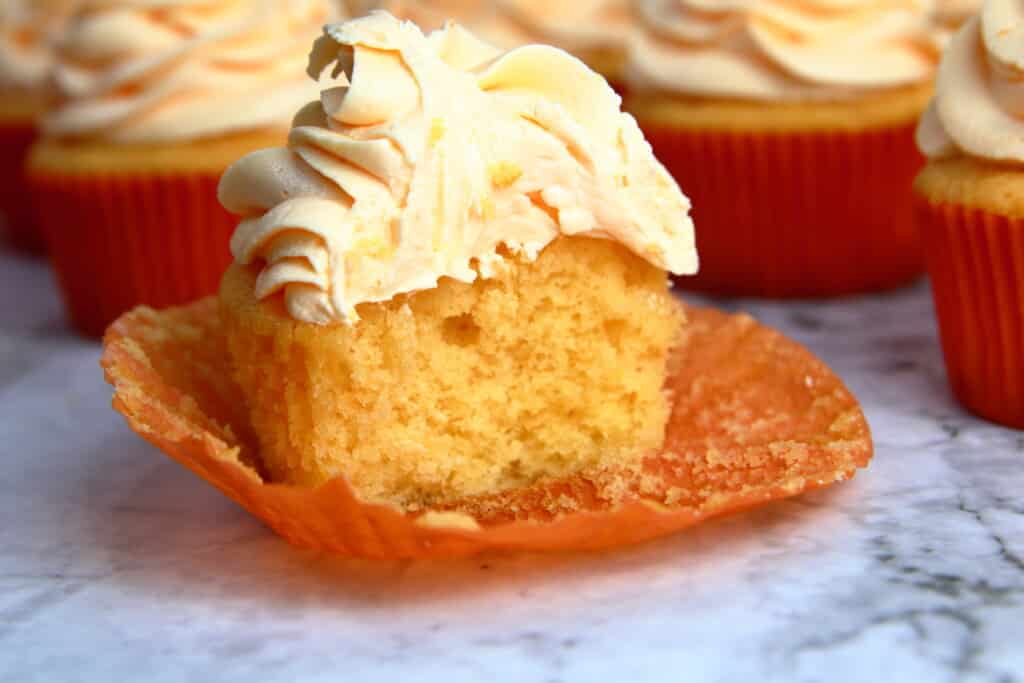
x=596, y=31
x=970, y=210
x=28, y=29
x=791, y=127
x=153, y=102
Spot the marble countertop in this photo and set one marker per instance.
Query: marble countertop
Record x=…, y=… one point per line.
x=117, y=564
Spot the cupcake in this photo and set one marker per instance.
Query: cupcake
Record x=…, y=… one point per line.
x=476, y=15
x=28, y=29
x=152, y=105
x=596, y=32
x=448, y=329
x=970, y=210
x=791, y=126
x=452, y=282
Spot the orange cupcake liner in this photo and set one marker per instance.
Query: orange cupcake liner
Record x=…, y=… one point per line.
x=797, y=214
x=19, y=221
x=976, y=263
x=756, y=418
x=117, y=242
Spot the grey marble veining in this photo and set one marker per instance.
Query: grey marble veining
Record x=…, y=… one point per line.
x=116, y=564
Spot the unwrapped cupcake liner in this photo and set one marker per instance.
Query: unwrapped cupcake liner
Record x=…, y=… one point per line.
x=797, y=214
x=119, y=241
x=976, y=263
x=21, y=230
x=756, y=418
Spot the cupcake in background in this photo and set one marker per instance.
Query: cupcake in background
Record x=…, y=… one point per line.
x=153, y=104
x=28, y=29
x=791, y=126
x=970, y=210
x=596, y=31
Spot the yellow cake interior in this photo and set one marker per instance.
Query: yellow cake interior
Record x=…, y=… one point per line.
x=467, y=389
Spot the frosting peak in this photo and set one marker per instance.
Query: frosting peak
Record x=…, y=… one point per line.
x=163, y=70
x=781, y=49
x=440, y=156
x=978, y=107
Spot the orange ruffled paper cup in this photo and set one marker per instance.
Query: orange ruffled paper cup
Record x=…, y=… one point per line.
x=118, y=241
x=756, y=418
x=797, y=214
x=976, y=263
x=19, y=221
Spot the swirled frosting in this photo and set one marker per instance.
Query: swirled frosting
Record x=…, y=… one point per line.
x=978, y=108
x=166, y=70
x=782, y=49
x=28, y=29
x=441, y=158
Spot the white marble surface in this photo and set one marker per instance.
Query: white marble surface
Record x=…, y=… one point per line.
x=116, y=564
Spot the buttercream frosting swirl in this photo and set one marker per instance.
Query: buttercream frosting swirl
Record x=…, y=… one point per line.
x=978, y=108
x=782, y=49
x=442, y=157
x=166, y=70
x=28, y=30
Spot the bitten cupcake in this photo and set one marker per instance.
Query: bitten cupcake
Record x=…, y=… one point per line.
x=154, y=102
x=452, y=283
x=28, y=30
x=970, y=209
x=596, y=31
x=791, y=126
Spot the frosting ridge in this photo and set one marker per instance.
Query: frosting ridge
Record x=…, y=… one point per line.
x=438, y=158
x=780, y=49
x=164, y=70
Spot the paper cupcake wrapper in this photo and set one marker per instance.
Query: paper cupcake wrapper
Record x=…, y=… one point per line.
x=976, y=264
x=119, y=241
x=756, y=418
x=797, y=214
x=18, y=217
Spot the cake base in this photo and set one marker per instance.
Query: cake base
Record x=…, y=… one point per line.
x=756, y=418
x=551, y=366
